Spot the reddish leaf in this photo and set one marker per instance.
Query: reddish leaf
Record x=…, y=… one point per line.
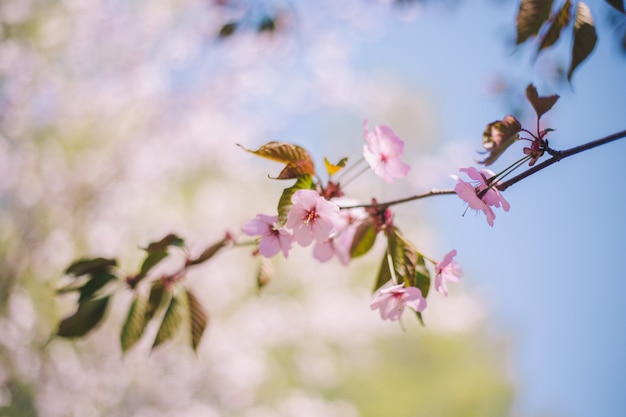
x=585, y=37
x=298, y=159
x=540, y=104
x=266, y=273
x=209, y=252
x=498, y=136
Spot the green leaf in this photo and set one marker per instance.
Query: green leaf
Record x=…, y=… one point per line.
x=617, y=4
x=135, y=323
x=151, y=261
x=304, y=182
x=585, y=37
x=157, y=251
x=540, y=104
x=87, y=266
x=162, y=245
x=384, y=273
x=228, y=29
x=498, y=136
x=364, y=238
x=155, y=299
x=97, y=280
x=332, y=169
x=298, y=159
x=172, y=320
x=86, y=318
x=560, y=21
x=531, y=16
x=209, y=252
x=422, y=275
x=403, y=257
x=198, y=319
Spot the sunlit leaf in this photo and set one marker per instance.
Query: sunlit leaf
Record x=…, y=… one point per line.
x=498, y=136
x=198, y=319
x=155, y=299
x=560, y=21
x=172, y=321
x=403, y=257
x=531, y=16
x=332, y=169
x=422, y=275
x=540, y=104
x=304, y=182
x=298, y=159
x=617, y=4
x=266, y=273
x=88, y=315
x=384, y=273
x=364, y=238
x=87, y=266
x=209, y=252
x=585, y=37
x=135, y=323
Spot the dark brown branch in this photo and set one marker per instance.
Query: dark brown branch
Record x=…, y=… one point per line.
x=556, y=157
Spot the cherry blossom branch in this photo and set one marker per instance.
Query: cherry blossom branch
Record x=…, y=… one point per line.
x=559, y=155
x=556, y=157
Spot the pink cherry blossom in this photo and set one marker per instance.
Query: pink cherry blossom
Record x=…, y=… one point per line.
x=383, y=151
x=340, y=242
x=469, y=191
x=447, y=271
x=272, y=239
x=392, y=300
x=311, y=217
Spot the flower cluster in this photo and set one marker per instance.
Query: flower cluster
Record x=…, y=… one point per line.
x=480, y=194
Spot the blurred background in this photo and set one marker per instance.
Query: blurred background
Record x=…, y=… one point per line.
x=119, y=123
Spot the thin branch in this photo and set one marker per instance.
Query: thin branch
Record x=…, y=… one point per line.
x=556, y=157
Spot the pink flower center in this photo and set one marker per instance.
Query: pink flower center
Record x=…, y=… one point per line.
x=310, y=216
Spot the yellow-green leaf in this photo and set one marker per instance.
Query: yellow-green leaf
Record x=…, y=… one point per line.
x=332, y=169
x=135, y=323
x=384, y=273
x=585, y=37
x=364, y=238
x=172, y=320
x=304, y=182
x=155, y=299
x=198, y=319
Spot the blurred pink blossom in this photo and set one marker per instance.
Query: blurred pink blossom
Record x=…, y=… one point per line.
x=311, y=217
x=447, y=271
x=383, y=151
x=272, y=240
x=469, y=192
x=392, y=300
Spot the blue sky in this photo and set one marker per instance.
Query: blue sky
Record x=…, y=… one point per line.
x=551, y=267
